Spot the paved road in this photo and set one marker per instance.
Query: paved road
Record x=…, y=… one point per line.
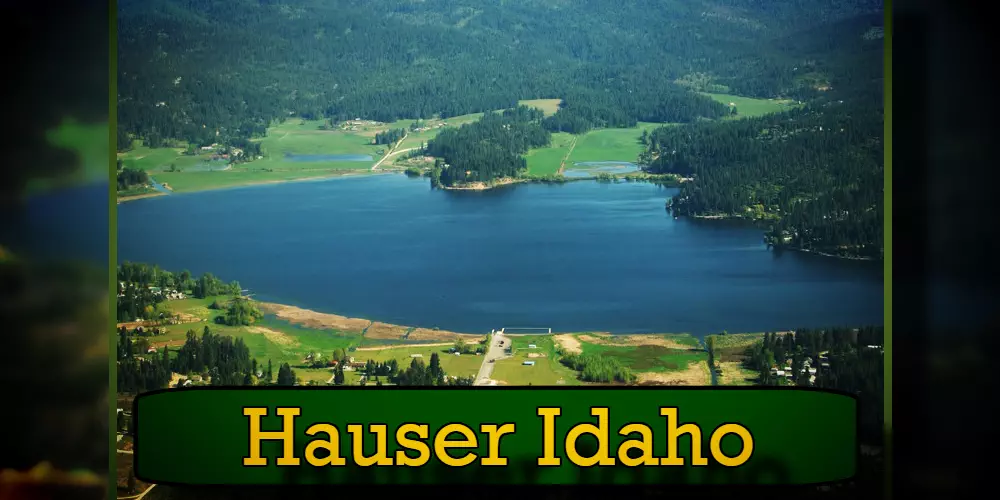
x=494, y=351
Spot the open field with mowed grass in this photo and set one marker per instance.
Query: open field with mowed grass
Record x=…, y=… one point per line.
x=747, y=107
x=546, y=161
x=610, y=144
x=547, y=369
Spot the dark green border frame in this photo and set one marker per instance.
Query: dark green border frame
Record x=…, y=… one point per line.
x=112, y=245
x=887, y=241
x=113, y=241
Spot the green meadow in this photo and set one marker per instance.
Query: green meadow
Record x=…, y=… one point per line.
x=650, y=357
x=547, y=369
x=749, y=107
x=548, y=106
x=546, y=161
x=610, y=144
x=183, y=173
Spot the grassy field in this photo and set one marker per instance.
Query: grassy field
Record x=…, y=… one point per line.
x=546, y=161
x=548, y=106
x=271, y=338
x=434, y=126
x=648, y=358
x=729, y=356
x=748, y=106
x=611, y=144
x=184, y=173
x=547, y=369
x=466, y=365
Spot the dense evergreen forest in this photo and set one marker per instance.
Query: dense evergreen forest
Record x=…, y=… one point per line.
x=488, y=149
x=639, y=101
x=815, y=173
x=210, y=71
x=846, y=359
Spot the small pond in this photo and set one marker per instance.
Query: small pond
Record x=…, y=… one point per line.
x=592, y=168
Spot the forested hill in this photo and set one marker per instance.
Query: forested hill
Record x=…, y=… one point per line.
x=815, y=174
x=189, y=68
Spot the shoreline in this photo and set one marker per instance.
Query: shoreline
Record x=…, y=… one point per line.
x=346, y=173
x=860, y=258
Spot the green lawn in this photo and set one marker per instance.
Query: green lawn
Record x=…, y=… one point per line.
x=611, y=144
x=749, y=106
x=547, y=369
x=546, y=161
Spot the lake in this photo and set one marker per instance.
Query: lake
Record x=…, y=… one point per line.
x=572, y=257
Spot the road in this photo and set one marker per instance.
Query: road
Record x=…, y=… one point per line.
x=392, y=151
x=494, y=351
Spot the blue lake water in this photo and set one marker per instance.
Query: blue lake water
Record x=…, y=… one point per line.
x=592, y=168
x=573, y=257
x=339, y=157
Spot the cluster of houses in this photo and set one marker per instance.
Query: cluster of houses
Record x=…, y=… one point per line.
x=350, y=365
x=807, y=368
x=424, y=129
x=358, y=122
x=169, y=293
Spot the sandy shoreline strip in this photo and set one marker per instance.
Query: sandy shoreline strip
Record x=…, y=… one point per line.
x=377, y=330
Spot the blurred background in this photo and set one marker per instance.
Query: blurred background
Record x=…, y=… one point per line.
x=54, y=250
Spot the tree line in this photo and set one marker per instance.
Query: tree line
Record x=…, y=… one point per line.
x=390, y=136
x=582, y=111
x=488, y=149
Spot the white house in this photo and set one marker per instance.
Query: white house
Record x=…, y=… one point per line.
x=529, y=363
x=531, y=346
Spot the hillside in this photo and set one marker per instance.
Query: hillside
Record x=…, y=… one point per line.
x=214, y=70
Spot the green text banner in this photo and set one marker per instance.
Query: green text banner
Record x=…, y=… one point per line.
x=494, y=435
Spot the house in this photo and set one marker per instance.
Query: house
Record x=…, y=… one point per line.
x=529, y=363
x=186, y=383
x=812, y=371
x=780, y=373
x=458, y=354
x=532, y=346
x=416, y=355
x=151, y=350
